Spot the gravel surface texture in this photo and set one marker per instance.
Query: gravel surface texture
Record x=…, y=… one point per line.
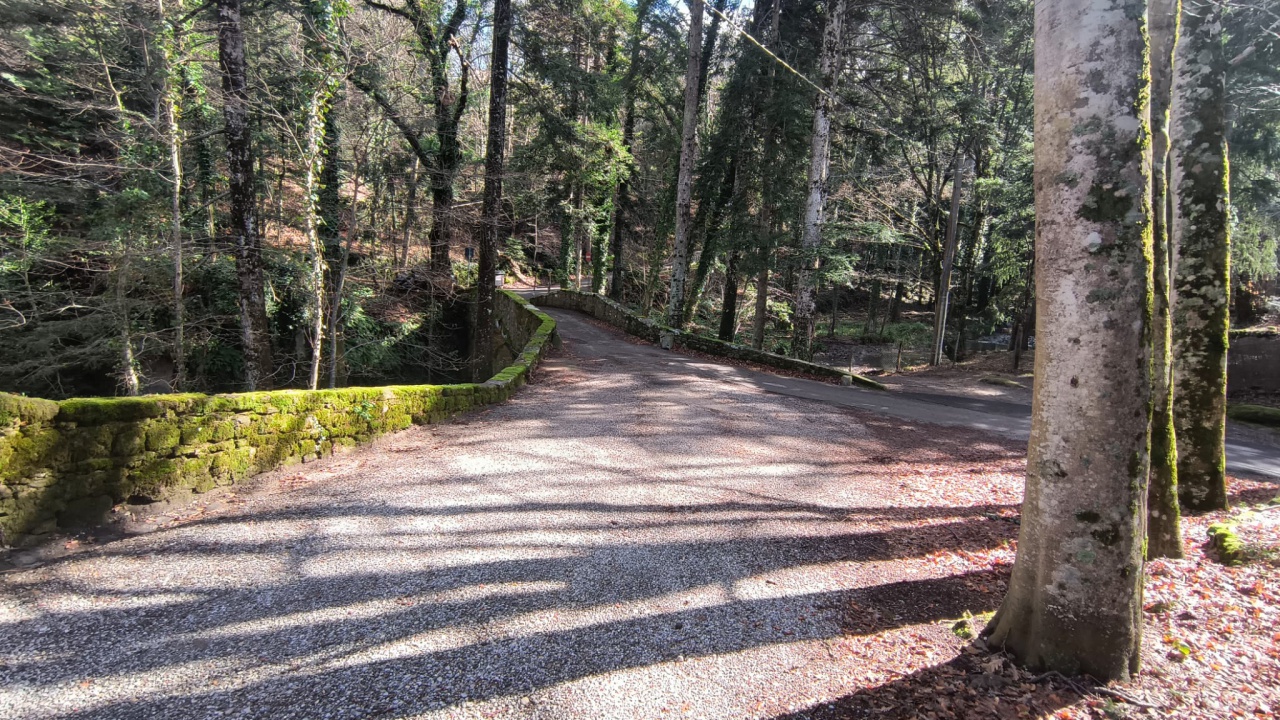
x=638, y=534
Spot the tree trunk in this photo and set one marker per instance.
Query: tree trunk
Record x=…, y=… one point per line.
x=321, y=158
x=410, y=211
x=255, y=331
x=128, y=364
x=684, y=182
x=942, y=299
x=1074, y=603
x=729, y=305
x=340, y=280
x=762, y=301
x=622, y=192
x=711, y=241
x=314, y=152
x=172, y=97
x=1201, y=251
x=819, y=162
x=491, y=212
x=1164, y=523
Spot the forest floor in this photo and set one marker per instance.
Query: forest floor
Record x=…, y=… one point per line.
x=639, y=534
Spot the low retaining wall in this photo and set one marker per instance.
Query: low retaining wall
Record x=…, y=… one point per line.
x=611, y=313
x=65, y=464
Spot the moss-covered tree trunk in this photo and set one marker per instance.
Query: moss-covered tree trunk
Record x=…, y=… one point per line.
x=1074, y=602
x=491, y=214
x=1201, y=255
x=1164, y=522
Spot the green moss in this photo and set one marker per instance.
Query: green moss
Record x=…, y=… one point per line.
x=168, y=445
x=1223, y=538
x=16, y=408
x=163, y=434
x=1258, y=414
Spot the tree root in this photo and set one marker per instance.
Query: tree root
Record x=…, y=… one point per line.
x=1085, y=689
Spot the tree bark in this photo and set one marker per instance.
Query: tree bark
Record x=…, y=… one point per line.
x=1164, y=522
x=1074, y=603
x=491, y=211
x=1201, y=256
x=684, y=182
x=255, y=333
x=819, y=162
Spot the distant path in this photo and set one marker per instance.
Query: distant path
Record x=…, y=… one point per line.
x=1011, y=419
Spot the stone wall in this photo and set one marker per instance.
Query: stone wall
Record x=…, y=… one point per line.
x=615, y=315
x=65, y=464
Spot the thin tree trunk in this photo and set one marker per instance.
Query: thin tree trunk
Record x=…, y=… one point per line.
x=254, y=329
x=943, y=298
x=1164, y=523
x=171, y=97
x=1201, y=247
x=1074, y=603
x=762, y=301
x=314, y=150
x=340, y=280
x=410, y=212
x=492, y=207
x=128, y=364
x=819, y=162
x=729, y=305
x=684, y=182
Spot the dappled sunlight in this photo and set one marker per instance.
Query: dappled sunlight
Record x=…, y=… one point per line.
x=735, y=558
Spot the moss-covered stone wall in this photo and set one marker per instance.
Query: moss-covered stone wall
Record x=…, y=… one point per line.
x=615, y=315
x=65, y=464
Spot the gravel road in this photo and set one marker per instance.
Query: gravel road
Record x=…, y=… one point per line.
x=638, y=534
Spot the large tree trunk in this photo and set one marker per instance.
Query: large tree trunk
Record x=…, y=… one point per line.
x=491, y=212
x=819, y=162
x=684, y=183
x=1201, y=272
x=1074, y=603
x=255, y=332
x=1164, y=523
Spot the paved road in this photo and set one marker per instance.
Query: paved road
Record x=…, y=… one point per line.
x=638, y=534
x=1001, y=417
x=998, y=416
